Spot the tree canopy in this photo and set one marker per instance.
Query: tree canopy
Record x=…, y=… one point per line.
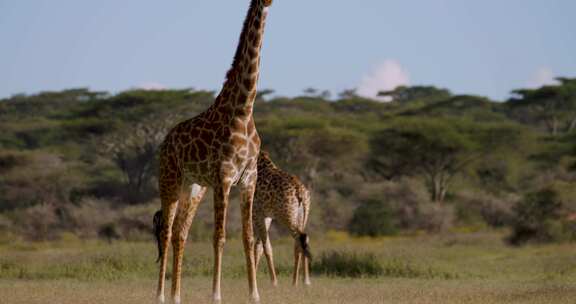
x=66, y=154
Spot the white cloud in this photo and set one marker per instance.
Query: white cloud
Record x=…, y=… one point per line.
x=543, y=76
x=386, y=76
x=151, y=86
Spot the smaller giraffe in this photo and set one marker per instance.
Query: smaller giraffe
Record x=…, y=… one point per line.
x=282, y=197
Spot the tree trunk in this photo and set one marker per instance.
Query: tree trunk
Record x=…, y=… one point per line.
x=438, y=188
x=571, y=126
x=442, y=195
x=552, y=125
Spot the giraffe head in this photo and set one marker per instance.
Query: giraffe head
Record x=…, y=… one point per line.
x=267, y=3
x=264, y=160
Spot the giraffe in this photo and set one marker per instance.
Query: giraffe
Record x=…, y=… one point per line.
x=282, y=197
x=218, y=148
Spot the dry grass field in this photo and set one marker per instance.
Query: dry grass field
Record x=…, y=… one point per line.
x=456, y=268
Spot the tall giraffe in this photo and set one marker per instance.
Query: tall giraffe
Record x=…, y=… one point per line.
x=219, y=149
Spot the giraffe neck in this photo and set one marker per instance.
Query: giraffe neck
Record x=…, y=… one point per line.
x=239, y=89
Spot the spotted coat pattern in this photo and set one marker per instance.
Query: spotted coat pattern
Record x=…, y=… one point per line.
x=218, y=149
x=283, y=198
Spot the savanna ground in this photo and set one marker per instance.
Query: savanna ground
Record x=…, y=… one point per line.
x=452, y=268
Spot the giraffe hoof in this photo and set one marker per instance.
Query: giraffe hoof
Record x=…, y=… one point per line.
x=255, y=298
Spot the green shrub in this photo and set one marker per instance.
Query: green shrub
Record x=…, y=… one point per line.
x=38, y=223
x=354, y=265
x=394, y=206
x=484, y=208
x=539, y=219
x=343, y=264
x=373, y=218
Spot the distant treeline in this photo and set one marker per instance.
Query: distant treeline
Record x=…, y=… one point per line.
x=84, y=162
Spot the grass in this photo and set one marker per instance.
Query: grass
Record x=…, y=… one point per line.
x=459, y=268
x=324, y=290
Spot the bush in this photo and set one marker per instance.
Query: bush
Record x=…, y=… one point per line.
x=373, y=218
x=109, y=232
x=38, y=223
x=403, y=205
x=433, y=217
x=10, y=160
x=497, y=212
x=480, y=207
x=539, y=219
x=344, y=264
x=88, y=217
x=135, y=222
x=42, y=178
x=96, y=218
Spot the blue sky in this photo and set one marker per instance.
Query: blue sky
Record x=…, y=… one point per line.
x=484, y=47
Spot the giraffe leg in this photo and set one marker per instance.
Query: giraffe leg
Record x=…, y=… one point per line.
x=270, y=260
x=258, y=251
x=188, y=203
x=306, y=267
x=248, y=239
x=169, y=204
x=259, y=229
x=269, y=254
x=221, y=194
x=297, y=259
x=306, y=257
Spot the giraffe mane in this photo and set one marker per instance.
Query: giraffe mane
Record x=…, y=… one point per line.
x=246, y=25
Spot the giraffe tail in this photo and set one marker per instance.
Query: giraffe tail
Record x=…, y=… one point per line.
x=303, y=238
x=157, y=228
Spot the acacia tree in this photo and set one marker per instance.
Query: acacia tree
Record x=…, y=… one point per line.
x=437, y=150
x=134, y=153
x=315, y=93
x=307, y=147
x=404, y=94
x=551, y=105
x=262, y=95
